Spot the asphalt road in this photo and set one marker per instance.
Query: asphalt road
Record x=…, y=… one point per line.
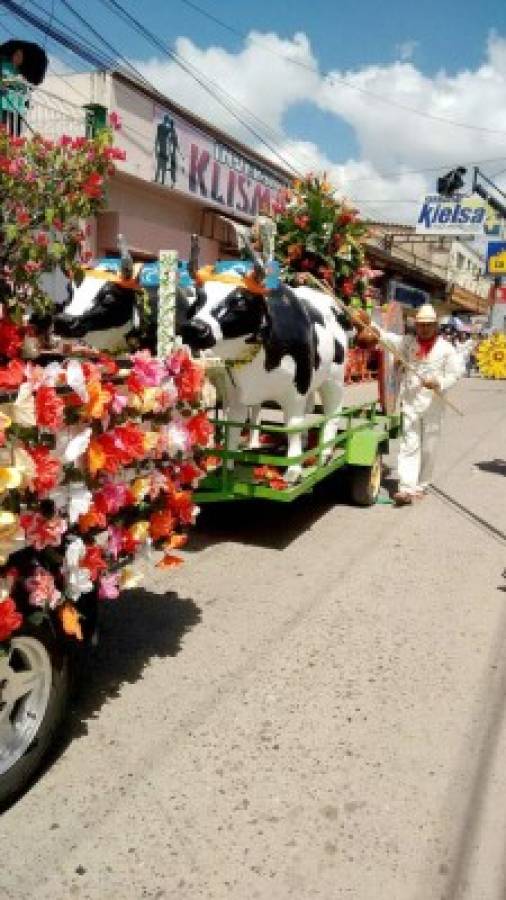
x=312, y=708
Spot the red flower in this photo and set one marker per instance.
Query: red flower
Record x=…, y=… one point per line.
x=11, y=339
x=12, y=375
x=161, y=524
x=41, y=532
x=92, y=519
x=130, y=440
x=200, y=429
x=347, y=287
x=22, y=217
x=189, y=472
x=49, y=409
x=10, y=619
x=92, y=187
x=181, y=504
x=48, y=470
x=94, y=561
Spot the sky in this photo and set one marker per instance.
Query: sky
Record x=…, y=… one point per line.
x=362, y=90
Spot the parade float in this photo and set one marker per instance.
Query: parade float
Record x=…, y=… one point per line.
x=98, y=453
x=290, y=299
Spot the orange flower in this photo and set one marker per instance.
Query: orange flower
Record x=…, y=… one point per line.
x=69, y=618
x=96, y=456
x=98, y=401
x=92, y=519
x=161, y=524
x=182, y=506
x=169, y=562
x=176, y=542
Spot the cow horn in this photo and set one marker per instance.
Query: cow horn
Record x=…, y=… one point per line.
x=193, y=263
x=243, y=238
x=127, y=263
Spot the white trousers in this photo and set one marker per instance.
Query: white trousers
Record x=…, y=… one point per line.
x=417, y=452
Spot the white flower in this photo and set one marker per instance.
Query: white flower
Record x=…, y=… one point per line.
x=77, y=582
x=22, y=410
x=178, y=440
x=74, y=553
x=51, y=374
x=77, y=445
x=75, y=499
x=76, y=379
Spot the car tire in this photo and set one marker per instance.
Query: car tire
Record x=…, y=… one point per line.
x=365, y=483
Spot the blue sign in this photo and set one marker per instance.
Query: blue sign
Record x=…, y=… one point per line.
x=496, y=258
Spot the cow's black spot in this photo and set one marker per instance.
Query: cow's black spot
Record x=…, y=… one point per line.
x=290, y=331
x=239, y=314
x=341, y=319
x=338, y=352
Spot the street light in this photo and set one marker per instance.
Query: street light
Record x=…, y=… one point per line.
x=452, y=182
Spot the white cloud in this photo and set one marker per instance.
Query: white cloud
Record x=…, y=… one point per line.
x=262, y=78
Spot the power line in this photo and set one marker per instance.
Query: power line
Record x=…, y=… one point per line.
x=342, y=81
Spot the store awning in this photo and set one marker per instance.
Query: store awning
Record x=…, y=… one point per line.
x=464, y=299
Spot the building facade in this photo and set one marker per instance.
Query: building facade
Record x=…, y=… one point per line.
x=180, y=176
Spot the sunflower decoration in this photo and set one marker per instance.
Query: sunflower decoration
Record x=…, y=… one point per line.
x=321, y=235
x=491, y=356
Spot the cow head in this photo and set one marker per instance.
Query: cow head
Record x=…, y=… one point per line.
x=101, y=302
x=225, y=318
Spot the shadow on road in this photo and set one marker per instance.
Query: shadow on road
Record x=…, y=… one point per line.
x=140, y=626
x=495, y=466
x=269, y=524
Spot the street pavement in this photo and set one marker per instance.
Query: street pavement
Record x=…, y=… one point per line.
x=312, y=707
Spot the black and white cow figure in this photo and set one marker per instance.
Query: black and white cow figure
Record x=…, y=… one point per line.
x=105, y=310
x=283, y=346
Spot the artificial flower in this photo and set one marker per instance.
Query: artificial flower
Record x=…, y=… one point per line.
x=12, y=535
x=91, y=519
x=12, y=375
x=169, y=561
x=47, y=470
x=140, y=531
x=98, y=403
x=146, y=401
x=96, y=456
x=151, y=441
x=112, y=497
x=69, y=618
x=74, y=552
x=77, y=582
x=108, y=587
x=42, y=590
x=22, y=411
x=10, y=478
x=181, y=504
x=176, y=542
x=74, y=498
x=147, y=371
x=11, y=339
x=140, y=488
x=10, y=618
x=161, y=524
x=42, y=532
x=200, y=429
x=94, y=561
x=114, y=541
x=49, y=408
x=176, y=438
x=75, y=446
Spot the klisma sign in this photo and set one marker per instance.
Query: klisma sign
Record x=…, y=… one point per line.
x=453, y=215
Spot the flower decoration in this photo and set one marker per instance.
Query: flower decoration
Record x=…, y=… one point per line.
x=320, y=235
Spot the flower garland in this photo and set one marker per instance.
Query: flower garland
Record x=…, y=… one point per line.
x=97, y=465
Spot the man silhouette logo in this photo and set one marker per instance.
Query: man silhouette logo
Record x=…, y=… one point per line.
x=166, y=150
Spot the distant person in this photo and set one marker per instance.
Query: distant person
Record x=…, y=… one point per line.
x=438, y=368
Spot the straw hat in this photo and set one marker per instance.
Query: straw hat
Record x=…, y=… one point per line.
x=426, y=315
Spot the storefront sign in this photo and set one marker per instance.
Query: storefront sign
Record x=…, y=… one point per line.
x=456, y=215
x=496, y=258
x=189, y=160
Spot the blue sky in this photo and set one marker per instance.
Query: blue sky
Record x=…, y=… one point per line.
x=445, y=67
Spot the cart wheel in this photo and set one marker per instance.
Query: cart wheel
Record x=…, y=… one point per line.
x=34, y=691
x=365, y=483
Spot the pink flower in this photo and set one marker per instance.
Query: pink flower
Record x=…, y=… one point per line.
x=147, y=370
x=119, y=401
x=42, y=590
x=157, y=484
x=108, y=587
x=111, y=498
x=115, y=121
x=115, y=541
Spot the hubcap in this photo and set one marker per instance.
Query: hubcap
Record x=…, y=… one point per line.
x=25, y=686
x=376, y=477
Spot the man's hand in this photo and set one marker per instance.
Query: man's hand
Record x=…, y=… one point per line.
x=359, y=318
x=432, y=384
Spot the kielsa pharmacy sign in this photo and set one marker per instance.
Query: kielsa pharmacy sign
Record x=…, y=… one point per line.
x=458, y=215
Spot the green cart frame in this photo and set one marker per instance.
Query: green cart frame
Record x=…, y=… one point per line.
x=363, y=436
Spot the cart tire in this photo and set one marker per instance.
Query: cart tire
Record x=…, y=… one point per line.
x=29, y=722
x=365, y=483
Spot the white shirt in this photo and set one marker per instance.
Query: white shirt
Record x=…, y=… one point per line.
x=441, y=363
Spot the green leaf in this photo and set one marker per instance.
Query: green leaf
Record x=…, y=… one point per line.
x=49, y=216
x=56, y=249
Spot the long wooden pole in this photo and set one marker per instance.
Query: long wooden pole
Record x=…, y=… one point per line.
x=386, y=343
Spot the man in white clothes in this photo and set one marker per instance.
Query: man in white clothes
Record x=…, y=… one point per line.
x=438, y=367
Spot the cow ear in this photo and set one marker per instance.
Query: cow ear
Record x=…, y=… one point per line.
x=287, y=331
